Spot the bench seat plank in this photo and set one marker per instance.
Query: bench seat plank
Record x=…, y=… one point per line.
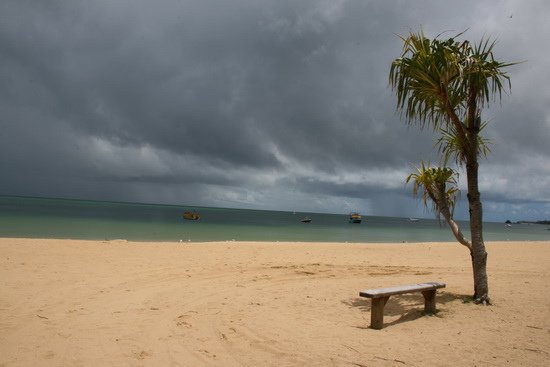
x=390, y=291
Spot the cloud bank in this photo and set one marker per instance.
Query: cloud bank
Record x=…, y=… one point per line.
x=257, y=104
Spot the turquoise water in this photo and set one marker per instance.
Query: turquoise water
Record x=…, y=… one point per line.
x=99, y=220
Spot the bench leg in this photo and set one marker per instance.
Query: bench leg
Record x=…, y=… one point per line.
x=429, y=301
x=377, y=312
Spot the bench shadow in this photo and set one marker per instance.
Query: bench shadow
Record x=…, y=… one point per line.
x=408, y=306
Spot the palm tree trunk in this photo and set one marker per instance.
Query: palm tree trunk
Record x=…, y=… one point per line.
x=443, y=209
x=478, y=253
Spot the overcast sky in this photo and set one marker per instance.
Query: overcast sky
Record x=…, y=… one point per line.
x=268, y=104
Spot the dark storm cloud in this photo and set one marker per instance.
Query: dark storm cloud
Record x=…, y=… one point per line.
x=269, y=104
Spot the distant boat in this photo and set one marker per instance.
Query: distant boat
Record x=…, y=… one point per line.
x=306, y=220
x=507, y=225
x=413, y=219
x=355, y=218
x=191, y=215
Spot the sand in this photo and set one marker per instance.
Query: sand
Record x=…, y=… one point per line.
x=116, y=303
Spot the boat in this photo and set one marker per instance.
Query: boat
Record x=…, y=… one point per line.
x=355, y=218
x=191, y=215
x=413, y=219
x=306, y=220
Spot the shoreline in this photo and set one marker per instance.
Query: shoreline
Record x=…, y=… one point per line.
x=190, y=242
x=117, y=302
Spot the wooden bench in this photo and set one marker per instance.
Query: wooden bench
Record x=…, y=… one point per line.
x=380, y=296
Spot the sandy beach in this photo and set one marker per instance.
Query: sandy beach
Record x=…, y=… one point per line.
x=116, y=303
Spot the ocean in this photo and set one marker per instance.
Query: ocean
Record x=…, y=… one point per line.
x=101, y=220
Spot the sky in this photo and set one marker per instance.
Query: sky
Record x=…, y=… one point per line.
x=277, y=105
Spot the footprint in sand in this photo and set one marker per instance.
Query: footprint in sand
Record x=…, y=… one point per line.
x=207, y=353
x=142, y=355
x=184, y=324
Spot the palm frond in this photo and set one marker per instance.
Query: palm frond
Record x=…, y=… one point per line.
x=444, y=84
x=436, y=186
x=451, y=146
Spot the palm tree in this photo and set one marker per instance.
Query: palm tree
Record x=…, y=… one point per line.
x=444, y=84
x=439, y=186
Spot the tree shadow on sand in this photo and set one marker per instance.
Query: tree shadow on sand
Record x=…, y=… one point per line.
x=408, y=306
